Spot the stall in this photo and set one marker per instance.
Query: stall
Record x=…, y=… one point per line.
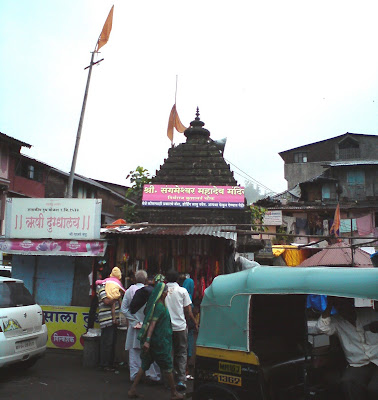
x=199, y=251
x=55, y=244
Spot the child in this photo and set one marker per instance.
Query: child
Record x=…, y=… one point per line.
x=113, y=288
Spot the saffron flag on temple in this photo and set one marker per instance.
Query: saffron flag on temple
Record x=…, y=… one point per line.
x=174, y=122
x=336, y=222
x=105, y=33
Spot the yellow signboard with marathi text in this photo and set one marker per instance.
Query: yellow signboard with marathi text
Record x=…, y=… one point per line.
x=65, y=326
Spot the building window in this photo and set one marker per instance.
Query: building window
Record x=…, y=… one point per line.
x=29, y=171
x=356, y=178
x=326, y=191
x=300, y=157
x=81, y=192
x=349, y=149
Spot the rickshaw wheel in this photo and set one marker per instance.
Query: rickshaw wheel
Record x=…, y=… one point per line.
x=211, y=391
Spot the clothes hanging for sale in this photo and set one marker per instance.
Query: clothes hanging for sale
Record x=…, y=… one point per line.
x=301, y=223
x=325, y=227
x=289, y=222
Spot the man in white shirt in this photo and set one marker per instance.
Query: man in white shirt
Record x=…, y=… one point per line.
x=354, y=327
x=135, y=323
x=179, y=306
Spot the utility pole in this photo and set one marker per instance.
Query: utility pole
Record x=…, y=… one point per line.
x=78, y=135
x=102, y=40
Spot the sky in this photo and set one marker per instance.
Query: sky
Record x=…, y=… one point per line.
x=267, y=75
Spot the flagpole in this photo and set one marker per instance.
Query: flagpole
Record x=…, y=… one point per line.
x=78, y=135
x=101, y=41
x=176, y=88
x=174, y=115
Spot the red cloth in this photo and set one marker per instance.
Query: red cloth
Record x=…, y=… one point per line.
x=117, y=222
x=365, y=225
x=203, y=286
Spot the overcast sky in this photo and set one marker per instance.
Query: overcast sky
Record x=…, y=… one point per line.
x=268, y=75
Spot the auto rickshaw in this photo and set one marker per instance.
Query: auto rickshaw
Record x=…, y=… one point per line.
x=253, y=341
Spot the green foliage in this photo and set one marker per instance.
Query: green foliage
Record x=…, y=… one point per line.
x=257, y=216
x=281, y=239
x=138, y=178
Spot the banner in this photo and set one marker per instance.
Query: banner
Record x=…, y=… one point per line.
x=45, y=218
x=65, y=325
x=40, y=247
x=193, y=196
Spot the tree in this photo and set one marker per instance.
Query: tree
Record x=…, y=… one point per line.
x=138, y=178
x=257, y=217
x=252, y=192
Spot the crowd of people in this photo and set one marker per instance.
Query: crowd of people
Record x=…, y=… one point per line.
x=161, y=325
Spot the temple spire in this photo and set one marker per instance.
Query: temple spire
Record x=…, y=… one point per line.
x=196, y=129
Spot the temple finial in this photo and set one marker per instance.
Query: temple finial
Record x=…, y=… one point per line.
x=197, y=114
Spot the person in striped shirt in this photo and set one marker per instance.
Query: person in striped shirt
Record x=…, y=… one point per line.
x=108, y=327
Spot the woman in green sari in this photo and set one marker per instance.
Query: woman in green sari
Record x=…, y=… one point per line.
x=156, y=340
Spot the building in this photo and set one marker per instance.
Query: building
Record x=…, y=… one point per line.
x=23, y=176
x=55, y=268
x=341, y=170
x=309, y=161
x=193, y=238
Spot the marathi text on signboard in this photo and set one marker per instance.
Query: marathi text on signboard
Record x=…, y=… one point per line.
x=78, y=219
x=193, y=196
x=65, y=326
x=273, y=217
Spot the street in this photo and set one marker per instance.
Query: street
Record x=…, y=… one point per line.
x=61, y=376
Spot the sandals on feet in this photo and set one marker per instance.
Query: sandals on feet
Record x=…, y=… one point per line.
x=134, y=395
x=178, y=396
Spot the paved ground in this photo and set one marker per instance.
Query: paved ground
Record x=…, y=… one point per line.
x=61, y=376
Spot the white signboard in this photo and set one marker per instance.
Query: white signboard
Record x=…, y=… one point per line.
x=273, y=217
x=78, y=219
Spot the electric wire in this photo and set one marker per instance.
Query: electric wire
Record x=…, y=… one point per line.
x=247, y=176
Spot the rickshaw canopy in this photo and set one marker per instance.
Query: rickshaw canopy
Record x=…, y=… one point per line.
x=226, y=302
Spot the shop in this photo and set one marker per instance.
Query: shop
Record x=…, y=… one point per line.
x=55, y=244
x=201, y=252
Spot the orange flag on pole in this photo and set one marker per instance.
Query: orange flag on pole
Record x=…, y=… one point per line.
x=336, y=222
x=105, y=33
x=174, y=122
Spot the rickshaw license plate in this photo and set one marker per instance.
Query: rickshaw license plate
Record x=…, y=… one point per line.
x=229, y=380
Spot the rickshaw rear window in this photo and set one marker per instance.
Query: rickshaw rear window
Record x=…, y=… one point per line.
x=278, y=326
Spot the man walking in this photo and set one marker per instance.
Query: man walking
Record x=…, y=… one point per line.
x=135, y=323
x=179, y=306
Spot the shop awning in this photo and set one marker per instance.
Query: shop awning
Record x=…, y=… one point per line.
x=226, y=232
x=49, y=247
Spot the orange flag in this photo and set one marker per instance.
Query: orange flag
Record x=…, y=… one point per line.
x=105, y=33
x=336, y=222
x=174, y=122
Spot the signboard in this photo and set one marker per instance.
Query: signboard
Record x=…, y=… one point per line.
x=44, y=218
x=41, y=247
x=193, y=196
x=273, y=217
x=65, y=325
